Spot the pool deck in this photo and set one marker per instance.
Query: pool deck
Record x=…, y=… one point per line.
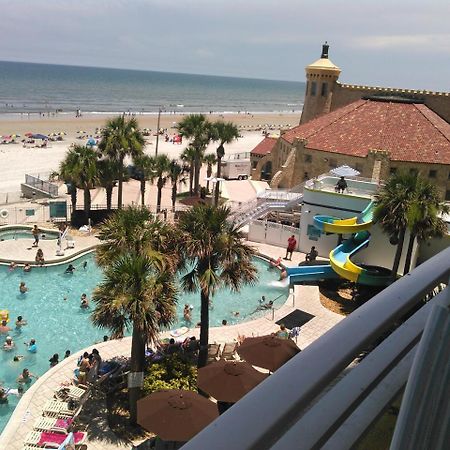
x=22, y=251
x=100, y=437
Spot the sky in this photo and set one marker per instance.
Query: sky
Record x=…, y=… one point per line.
x=392, y=43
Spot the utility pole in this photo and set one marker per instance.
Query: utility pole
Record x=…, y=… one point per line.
x=157, y=131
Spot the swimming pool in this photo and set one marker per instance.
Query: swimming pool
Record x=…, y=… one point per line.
x=25, y=233
x=59, y=325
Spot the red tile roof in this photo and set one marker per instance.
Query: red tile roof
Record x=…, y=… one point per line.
x=408, y=131
x=265, y=146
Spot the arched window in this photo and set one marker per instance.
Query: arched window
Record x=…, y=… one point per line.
x=313, y=88
x=324, y=89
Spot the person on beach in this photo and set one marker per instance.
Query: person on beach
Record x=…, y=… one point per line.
x=292, y=243
x=23, y=287
x=35, y=232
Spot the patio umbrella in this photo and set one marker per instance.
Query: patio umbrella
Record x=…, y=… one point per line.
x=39, y=136
x=175, y=415
x=269, y=352
x=345, y=171
x=29, y=134
x=229, y=381
x=91, y=142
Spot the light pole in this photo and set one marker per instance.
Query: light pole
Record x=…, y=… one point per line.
x=157, y=130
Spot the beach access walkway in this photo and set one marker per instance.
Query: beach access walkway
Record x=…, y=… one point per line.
x=100, y=437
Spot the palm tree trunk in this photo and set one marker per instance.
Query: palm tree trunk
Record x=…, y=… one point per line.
x=398, y=254
x=174, y=195
x=119, y=193
x=73, y=197
x=412, y=239
x=109, y=191
x=208, y=175
x=197, y=176
x=143, y=192
x=191, y=177
x=137, y=367
x=216, y=191
x=160, y=185
x=87, y=202
x=204, y=330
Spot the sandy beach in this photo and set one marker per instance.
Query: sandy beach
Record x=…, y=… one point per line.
x=16, y=161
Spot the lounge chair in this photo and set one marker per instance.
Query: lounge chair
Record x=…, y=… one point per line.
x=47, y=438
x=229, y=350
x=213, y=352
x=53, y=424
x=71, y=392
x=61, y=410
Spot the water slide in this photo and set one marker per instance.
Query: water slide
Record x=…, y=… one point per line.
x=340, y=262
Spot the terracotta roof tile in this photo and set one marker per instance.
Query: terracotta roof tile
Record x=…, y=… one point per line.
x=265, y=146
x=408, y=131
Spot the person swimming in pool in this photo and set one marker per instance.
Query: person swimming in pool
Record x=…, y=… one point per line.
x=70, y=269
x=32, y=347
x=20, y=322
x=84, y=302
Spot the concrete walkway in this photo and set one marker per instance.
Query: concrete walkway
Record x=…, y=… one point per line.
x=100, y=437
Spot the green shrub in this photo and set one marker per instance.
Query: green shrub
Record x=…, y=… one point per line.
x=170, y=373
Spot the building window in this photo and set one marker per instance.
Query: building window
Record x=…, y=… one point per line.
x=432, y=173
x=308, y=158
x=307, y=88
x=393, y=170
x=413, y=171
x=313, y=88
x=324, y=89
x=447, y=195
x=254, y=164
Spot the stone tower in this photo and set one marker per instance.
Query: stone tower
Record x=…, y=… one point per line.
x=321, y=78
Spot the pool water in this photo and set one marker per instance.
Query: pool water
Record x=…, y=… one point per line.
x=59, y=325
x=24, y=234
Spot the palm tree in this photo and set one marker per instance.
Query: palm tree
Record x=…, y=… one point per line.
x=161, y=167
x=145, y=166
x=219, y=257
x=424, y=219
x=135, y=294
x=392, y=206
x=209, y=159
x=108, y=174
x=68, y=170
x=197, y=128
x=140, y=257
x=176, y=175
x=81, y=163
x=224, y=133
x=121, y=137
x=188, y=156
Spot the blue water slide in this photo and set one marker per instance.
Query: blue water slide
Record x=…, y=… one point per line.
x=310, y=273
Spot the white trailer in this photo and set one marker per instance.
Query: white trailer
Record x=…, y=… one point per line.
x=236, y=167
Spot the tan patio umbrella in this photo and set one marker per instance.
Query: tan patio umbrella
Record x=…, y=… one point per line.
x=229, y=381
x=269, y=352
x=175, y=415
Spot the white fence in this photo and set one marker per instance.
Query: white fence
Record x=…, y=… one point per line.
x=272, y=233
x=26, y=214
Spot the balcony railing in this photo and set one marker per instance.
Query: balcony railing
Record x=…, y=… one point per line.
x=325, y=397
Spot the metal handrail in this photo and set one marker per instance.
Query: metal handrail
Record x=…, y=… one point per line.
x=266, y=413
x=42, y=185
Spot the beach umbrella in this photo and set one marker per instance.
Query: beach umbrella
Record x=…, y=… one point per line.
x=29, y=134
x=39, y=136
x=229, y=381
x=269, y=352
x=175, y=415
x=345, y=171
x=91, y=142
x=82, y=132
x=68, y=443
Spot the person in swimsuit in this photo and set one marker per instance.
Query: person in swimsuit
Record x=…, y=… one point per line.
x=84, y=368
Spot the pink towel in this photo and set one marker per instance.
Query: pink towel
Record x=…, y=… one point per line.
x=63, y=423
x=58, y=438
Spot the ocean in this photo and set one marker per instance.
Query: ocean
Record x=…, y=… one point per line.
x=27, y=88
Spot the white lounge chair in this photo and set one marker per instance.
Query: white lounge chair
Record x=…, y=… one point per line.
x=229, y=350
x=50, y=439
x=53, y=424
